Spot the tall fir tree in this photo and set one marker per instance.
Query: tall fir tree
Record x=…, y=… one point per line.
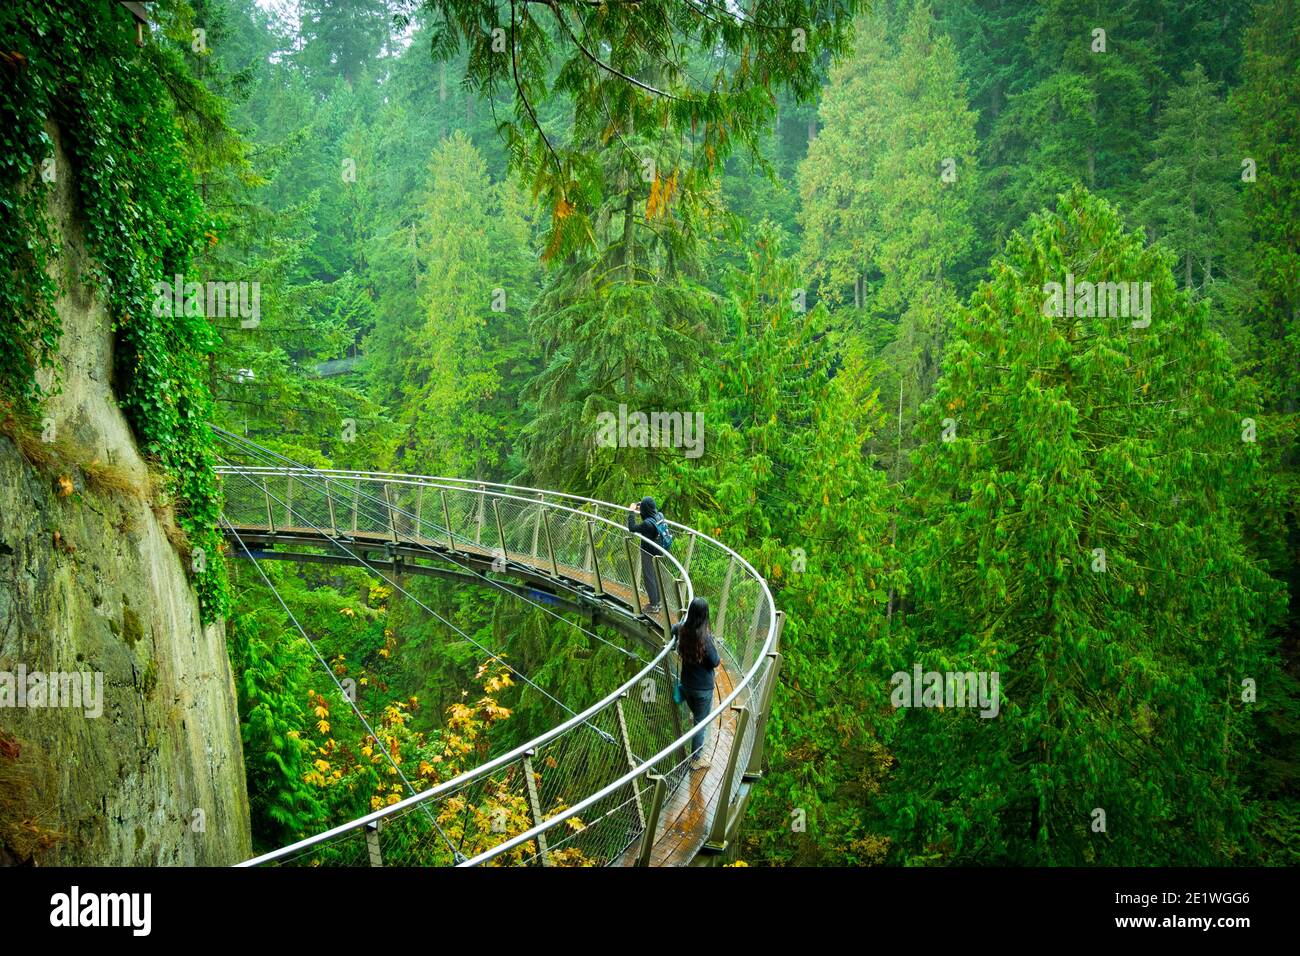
x=1190, y=199
x=474, y=240
x=1267, y=104
x=1085, y=118
x=784, y=479
x=887, y=192
x=1077, y=530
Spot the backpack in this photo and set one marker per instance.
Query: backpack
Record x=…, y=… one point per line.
x=661, y=528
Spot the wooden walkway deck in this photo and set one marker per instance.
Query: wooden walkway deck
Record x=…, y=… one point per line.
x=687, y=810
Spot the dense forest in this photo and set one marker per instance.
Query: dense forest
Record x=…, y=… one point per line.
x=988, y=309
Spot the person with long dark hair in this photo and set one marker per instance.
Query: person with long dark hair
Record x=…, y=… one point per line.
x=699, y=660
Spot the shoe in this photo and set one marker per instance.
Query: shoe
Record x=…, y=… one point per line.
x=652, y=609
x=700, y=765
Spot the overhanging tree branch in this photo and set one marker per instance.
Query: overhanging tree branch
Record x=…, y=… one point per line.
x=564, y=22
x=523, y=97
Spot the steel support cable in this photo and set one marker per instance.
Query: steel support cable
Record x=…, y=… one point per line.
x=289, y=509
x=266, y=453
x=456, y=784
x=351, y=703
x=374, y=570
x=425, y=550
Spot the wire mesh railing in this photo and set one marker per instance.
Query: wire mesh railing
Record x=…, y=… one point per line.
x=586, y=791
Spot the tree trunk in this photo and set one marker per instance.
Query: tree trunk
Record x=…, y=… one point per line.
x=1092, y=145
x=893, y=521
x=629, y=233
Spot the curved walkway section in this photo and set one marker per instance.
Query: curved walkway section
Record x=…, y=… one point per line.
x=609, y=785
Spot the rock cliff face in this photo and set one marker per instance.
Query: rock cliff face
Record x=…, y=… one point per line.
x=92, y=584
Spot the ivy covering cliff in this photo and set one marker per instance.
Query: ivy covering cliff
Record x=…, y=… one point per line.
x=78, y=69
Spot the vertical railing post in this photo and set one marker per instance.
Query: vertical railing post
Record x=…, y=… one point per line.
x=752, y=634
x=663, y=598
x=392, y=517
x=631, y=757
x=288, y=503
x=446, y=519
x=690, y=551
x=329, y=501
x=270, y=518
x=356, y=501
x=726, y=594
x=372, y=843
x=717, y=841
x=652, y=821
x=535, y=806
x=755, y=768
x=501, y=530
x=537, y=525
x=595, y=559
x=633, y=565
x=419, y=509
x=591, y=544
x=478, y=529
x=550, y=543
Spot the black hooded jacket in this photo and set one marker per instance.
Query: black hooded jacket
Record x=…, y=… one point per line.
x=646, y=526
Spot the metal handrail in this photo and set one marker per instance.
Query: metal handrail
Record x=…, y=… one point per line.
x=474, y=487
x=536, y=497
x=461, y=485
x=473, y=484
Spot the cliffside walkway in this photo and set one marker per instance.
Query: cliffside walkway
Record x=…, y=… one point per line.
x=607, y=785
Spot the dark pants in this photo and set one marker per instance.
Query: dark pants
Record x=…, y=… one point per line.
x=648, y=575
x=700, y=703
